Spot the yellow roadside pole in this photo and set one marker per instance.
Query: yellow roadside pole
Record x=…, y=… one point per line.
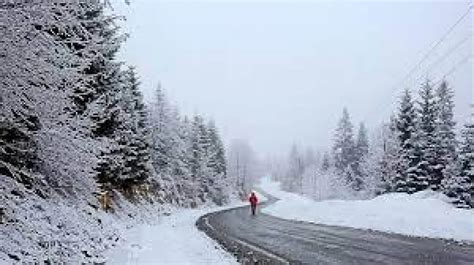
x=104, y=199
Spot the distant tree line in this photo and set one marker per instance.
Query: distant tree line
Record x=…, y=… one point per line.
x=417, y=149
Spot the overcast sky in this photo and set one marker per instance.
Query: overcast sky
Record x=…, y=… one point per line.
x=278, y=73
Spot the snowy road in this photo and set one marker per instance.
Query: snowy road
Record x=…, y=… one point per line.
x=268, y=239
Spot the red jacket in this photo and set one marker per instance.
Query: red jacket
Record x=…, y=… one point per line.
x=253, y=199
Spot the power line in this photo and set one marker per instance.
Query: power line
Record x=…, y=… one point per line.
x=445, y=55
x=454, y=69
x=436, y=45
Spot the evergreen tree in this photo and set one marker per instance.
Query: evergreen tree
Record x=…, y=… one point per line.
x=162, y=134
x=344, y=148
x=427, y=137
x=107, y=120
x=18, y=120
x=136, y=130
x=361, y=153
x=200, y=158
x=179, y=159
x=446, y=143
x=39, y=73
x=410, y=176
x=127, y=161
x=217, y=159
x=185, y=155
x=362, y=145
x=17, y=149
x=19, y=85
x=217, y=164
x=103, y=95
x=461, y=186
x=166, y=146
x=388, y=165
x=99, y=68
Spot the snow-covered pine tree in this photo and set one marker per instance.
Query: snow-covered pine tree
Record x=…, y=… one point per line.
x=175, y=174
x=103, y=94
x=17, y=148
x=410, y=177
x=446, y=143
x=179, y=133
x=162, y=135
x=217, y=154
x=361, y=152
x=97, y=44
x=107, y=118
x=185, y=184
x=18, y=120
x=217, y=164
x=427, y=137
x=135, y=131
x=41, y=74
x=125, y=162
x=344, y=148
x=165, y=144
x=201, y=173
x=461, y=186
x=362, y=144
x=23, y=67
x=389, y=162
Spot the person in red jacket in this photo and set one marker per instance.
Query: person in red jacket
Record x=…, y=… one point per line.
x=253, y=202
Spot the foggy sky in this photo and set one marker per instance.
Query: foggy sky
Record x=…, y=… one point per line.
x=279, y=73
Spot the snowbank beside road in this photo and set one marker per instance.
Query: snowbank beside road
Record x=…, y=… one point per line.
x=174, y=240
x=426, y=213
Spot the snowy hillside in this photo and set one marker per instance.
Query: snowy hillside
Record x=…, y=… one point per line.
x=82, y=156
x=426, y=213
x=67, y=231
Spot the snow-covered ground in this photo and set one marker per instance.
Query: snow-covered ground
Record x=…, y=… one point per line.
x=426, y=213
x=174, y=239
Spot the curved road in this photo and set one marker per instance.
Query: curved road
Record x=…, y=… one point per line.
x=264, y=239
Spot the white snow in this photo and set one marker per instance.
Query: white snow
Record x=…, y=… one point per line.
x=175, y=239
x=425, y=214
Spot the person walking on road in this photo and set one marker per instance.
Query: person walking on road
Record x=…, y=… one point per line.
x=253, y=202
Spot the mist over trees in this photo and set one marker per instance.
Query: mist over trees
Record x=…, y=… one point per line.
x=244, y=168
x=417, y=149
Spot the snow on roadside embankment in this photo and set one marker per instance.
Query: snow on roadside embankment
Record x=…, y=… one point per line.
x=174, y=239
x=425, y=214
x=35, y=228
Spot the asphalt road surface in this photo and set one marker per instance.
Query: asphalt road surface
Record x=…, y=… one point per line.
x=264, y=239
